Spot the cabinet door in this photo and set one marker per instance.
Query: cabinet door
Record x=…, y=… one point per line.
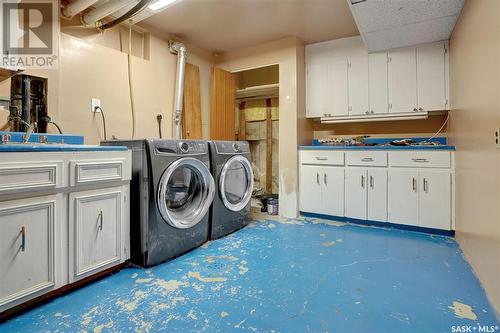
x=435, y=199
x=27, y=249
x=403, y=196
x=338, y=87
x=317, y=88
x=431, y=83
x=402, y=81
x=333, y=191
x=378, y=83
x=356, y=193
x=95, y=231
x=358, y=83
x=377, y=195
x=310, y=189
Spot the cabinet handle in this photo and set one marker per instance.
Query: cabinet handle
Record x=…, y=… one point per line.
x=426, y=185
x=371, y=182
x=23, y=239
x=317, y=178
x=367, y=159
x=415, y=109
x=324, y=178
x=420, y=160
x=100, y=220
x=362, y=181
x=420, y=109
x=414, y=184
x=321, y=158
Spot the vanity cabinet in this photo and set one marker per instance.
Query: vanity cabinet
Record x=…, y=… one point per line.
x=64, y=216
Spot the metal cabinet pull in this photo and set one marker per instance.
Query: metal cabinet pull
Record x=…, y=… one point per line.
x=367, y=159
x=426, y=185
x=324, y=178
x=420, y=160
x=414, y=184
x=371, y=182
x=23, y=239
x=321, y=158
x=317, y=178
x=362, y=181
x=100, y=220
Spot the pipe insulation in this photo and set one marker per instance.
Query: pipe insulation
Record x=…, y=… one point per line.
x=180, y=50
x=105, y=10
x=76, y=7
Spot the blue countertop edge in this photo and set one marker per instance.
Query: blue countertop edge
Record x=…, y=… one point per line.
x=14, y=148
x=449, y=148
x=70, y=139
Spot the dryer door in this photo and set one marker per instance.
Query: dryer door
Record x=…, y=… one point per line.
x=185, y=193
x=236, y=183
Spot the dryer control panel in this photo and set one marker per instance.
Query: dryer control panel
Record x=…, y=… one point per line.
x=232, y=147
x=184, y=147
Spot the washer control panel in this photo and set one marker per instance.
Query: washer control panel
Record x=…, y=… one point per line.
x=232, y=147
x=184, y=147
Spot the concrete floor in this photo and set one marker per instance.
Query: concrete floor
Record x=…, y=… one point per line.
x=284, y=275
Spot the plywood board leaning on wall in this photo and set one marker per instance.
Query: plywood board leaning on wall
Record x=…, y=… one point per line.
x=222, y=113
x=191, y=115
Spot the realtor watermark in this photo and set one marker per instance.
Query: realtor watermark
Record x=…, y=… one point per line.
x=30, y=34
x=474, y=328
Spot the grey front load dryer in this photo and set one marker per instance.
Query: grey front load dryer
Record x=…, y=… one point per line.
x=232, y=171
x=171, y=193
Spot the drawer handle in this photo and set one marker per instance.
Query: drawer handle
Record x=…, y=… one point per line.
x=367, y=159
x=420, y=160
x=100, y=221
x=23, y=239
x=321, y=158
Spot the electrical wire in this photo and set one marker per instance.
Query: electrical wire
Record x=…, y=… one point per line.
x=103, y=121
x=130, y=86
x=439, y=131
x=141, y=5
x=57, y=126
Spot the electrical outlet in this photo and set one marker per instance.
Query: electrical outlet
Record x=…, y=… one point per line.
x=497, y=137
x=95, y=103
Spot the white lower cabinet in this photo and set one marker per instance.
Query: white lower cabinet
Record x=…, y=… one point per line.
x=94, y=231
x=366, y=194
x=420, y=198
x=27, y=248
x=322, y=190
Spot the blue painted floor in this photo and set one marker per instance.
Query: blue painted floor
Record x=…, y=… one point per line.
x=300, y=275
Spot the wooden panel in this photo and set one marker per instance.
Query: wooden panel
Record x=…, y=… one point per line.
x=191, y=115
x=90, y=172
x=420, y=159
x=26, y=177
x=323, y=157
x=243, y=123
x=366, y=158
x=222, y=113
x=269, y=147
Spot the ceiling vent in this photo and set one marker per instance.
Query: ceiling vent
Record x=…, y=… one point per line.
x=390, y=24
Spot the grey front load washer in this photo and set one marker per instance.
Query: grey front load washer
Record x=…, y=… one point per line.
x=170, y=197
x=232, y=171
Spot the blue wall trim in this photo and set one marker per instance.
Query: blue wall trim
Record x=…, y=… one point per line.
x=51, y=138
x=381, y=224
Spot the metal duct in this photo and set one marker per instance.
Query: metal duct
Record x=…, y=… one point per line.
x=76, y=7
x=102, y=11
x=180, y=50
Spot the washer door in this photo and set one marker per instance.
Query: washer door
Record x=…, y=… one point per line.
x=236, y=183
x=185, y=193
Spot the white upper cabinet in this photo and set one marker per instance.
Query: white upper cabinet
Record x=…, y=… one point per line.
x=358, y=82
x=338, y=83
x=377, y=76
x=431, y=77
x=316, y=87
x=402, y=80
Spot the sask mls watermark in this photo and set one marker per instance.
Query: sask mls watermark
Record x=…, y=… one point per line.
x=30, y=34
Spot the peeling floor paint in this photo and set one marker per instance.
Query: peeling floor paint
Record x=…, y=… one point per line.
x=280, y=275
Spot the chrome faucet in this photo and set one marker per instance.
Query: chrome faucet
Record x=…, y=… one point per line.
x=29, y=131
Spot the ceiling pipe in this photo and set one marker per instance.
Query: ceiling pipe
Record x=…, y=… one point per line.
x=76, y=7
x=180, y=50
x=105, y=10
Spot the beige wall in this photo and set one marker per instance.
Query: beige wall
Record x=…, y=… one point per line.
x=288, y=53
x=475, y=98
x=93, y=65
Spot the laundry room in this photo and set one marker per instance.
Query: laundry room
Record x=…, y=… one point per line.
x=258, y=166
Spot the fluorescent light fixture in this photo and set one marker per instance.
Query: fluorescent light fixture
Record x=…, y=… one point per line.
x=379, y=117
x=161, y=4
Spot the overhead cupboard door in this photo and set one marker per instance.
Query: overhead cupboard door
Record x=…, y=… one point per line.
x=431, y=78
x=185, y=193
x=402, y=81
x=236, y=183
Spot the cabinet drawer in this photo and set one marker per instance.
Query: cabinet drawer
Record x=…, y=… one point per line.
x=322, y=157
x=88, y=172
x=366, y=158
x=21, y=177
x=420, y=159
